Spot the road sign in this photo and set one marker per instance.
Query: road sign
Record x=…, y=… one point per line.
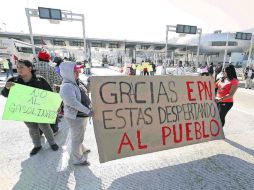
x=186, y=29
x=48, y=13
x=243, y=36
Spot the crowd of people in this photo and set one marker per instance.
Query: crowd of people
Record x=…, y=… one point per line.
x=145, y=68
x=63, y=78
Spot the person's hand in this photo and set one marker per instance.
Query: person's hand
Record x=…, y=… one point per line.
x=217, y=99
x=91, y=113
x=8, y=85
x=57, y=87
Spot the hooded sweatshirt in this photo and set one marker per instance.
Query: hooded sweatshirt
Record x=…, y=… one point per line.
x=70, y=92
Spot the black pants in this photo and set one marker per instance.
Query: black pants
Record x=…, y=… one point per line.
x=146, y=73
x=223, y=108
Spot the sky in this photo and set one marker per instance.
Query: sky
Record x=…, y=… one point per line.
x=140, y=20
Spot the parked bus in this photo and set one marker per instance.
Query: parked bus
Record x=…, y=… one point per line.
x=16, y=50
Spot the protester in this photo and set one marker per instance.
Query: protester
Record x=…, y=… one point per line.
x=153, y=69
x=227, y=87
x=218, y=70
x=43, y=55
x=48, y=71
x=180, y=69
x=87, y=68
x=248, y=75
x=140, y=68
x=52, y=76
x=210, y=69
x=34, y=61
x=204, y=70
x=8, y=68
x=133, y=69
x=76, y=110
x=145, y=68
x=26, y=76
x=54, y=127
x=58, y=61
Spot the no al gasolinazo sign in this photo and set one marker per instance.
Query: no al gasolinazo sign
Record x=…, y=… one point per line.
x=138, y=115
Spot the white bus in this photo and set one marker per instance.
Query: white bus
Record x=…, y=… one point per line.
x=16, y=49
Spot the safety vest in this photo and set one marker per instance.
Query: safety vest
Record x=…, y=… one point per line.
x=6, y=64
x=87, y=65
x=150, y=68
x=145, y=64
x=139, y=67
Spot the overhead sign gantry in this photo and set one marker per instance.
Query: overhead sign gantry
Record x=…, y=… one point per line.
x=186, y=29
x=55, y=15
x=245, y=36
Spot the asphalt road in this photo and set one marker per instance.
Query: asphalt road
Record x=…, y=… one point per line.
x=222, y=164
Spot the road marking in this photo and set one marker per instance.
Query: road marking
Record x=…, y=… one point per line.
x=243, y=111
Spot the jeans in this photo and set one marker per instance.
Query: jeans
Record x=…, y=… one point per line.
x=9, y=72
x=223, y=108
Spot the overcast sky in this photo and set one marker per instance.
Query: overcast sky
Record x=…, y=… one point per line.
x=131, y=19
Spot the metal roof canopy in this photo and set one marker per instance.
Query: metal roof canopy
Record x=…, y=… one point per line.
x=157, y=45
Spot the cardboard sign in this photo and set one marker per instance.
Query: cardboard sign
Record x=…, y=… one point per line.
x=138, y=115
x=30, y=104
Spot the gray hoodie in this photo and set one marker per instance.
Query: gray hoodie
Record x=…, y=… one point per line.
x=70, y=92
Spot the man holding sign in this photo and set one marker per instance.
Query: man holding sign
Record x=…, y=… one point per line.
x=27, y=77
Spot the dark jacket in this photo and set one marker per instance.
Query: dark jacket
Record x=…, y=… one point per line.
x=9, y=63
x=210, y=70
x=218, y=69
x=36, y=82
x=154, y=67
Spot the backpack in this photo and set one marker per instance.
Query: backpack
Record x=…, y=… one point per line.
x=85, y=100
